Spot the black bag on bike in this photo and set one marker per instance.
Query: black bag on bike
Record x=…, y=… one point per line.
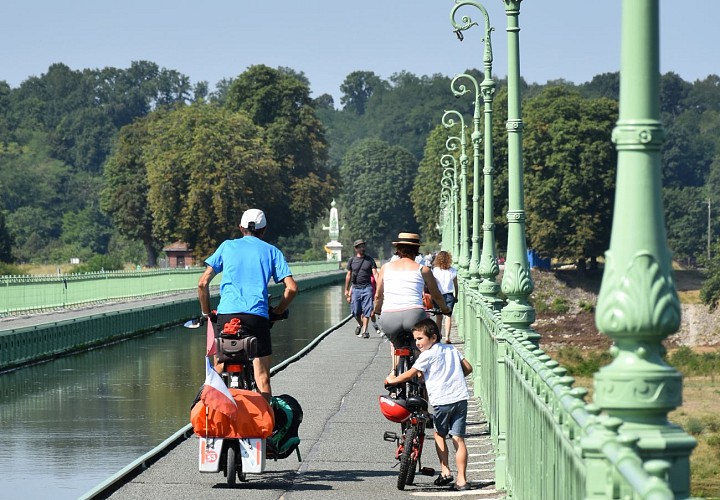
x=288, y=417
x=235, y=343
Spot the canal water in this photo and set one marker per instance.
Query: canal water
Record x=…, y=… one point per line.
x=69, y=424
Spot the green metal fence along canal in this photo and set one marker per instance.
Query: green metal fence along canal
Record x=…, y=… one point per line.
x=20, y=346
x=42, y=293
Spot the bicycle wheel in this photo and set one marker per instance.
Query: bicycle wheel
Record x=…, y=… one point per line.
x=231, y=464
x=411, y=468
x=406, y=461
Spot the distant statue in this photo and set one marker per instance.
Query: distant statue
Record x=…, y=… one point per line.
x=333, y=248
x=334, y=227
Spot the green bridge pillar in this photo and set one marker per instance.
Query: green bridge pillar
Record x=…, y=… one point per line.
x=638, y=305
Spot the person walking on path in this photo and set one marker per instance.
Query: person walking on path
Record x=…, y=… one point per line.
x=444, y=370
x=247, y=264
x=358, y=287
x=446, y=277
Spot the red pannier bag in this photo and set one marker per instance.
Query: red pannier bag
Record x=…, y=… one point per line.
x=254, y=418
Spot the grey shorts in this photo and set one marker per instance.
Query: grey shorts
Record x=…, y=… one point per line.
x=397, y=322
x=450, y=419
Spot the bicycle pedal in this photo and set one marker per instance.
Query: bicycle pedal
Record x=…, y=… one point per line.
x=390, y=436
x=427, y=471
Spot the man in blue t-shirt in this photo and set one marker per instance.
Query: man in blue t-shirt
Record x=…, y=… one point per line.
x=247, y=264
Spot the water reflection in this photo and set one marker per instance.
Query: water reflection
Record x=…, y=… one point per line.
x=69, y=424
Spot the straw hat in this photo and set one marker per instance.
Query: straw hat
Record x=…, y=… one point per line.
x=407, y=239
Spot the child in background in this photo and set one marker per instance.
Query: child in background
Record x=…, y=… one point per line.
x=444, y=370
x=446, y=277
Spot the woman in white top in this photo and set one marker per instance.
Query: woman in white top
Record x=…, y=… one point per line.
x=446, y=277
x=400, y=287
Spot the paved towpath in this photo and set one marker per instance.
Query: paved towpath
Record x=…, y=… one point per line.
x=344, y=455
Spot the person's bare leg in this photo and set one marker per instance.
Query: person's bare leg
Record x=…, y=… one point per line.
x=460, y=460
x=442, y=453
x=448, y=325
x=261, y=367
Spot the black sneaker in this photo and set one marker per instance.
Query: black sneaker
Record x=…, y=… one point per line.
x=365, y=335
x=357, y=331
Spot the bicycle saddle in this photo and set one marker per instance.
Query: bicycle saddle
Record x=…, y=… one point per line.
x=414, y=403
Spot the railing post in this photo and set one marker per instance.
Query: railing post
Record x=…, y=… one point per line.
x=502, y=411
x=638, y=305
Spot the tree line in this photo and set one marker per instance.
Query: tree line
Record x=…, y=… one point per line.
x=124, y=161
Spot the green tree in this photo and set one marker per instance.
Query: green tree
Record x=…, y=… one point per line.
x=569, y=181
x=602, y=85
x=377, y=180
x=357, y=88
x=406, y=112
x=673, y=91
x=124, y=197
x=87, y=229
x=205, y=166
x=686, y=220
x=710, y=291
x=278, y=101
x=425, y=194
x=6, y=240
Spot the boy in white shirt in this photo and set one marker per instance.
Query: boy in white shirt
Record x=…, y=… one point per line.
x=444, y=370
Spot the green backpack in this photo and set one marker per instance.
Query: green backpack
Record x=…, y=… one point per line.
x=288, y=417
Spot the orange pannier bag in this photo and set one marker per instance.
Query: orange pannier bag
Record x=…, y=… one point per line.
x=254, y=418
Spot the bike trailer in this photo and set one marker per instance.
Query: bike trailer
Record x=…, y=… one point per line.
x=254, y=418
x=252, y=454
x=253, y=423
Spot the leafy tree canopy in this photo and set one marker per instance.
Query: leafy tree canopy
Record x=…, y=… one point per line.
x=278, y=100
x=205, y=166
x=569, y=181
x=377, y=179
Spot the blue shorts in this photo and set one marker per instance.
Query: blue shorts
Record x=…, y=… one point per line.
x=449, y=301
x=450, y=419
x=361, y=302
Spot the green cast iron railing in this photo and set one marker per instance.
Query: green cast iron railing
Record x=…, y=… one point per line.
x=38, y=293
x=549, y=442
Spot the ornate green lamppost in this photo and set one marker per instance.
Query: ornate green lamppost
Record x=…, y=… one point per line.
x=487, y=268
x=459, y=90
x=449, y=186
x=517, y=281
x=638, y=305
x=448, y=122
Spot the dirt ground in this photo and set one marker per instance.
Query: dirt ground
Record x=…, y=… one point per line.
x=699, y=328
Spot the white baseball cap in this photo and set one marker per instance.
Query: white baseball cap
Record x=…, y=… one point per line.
x=253, y=215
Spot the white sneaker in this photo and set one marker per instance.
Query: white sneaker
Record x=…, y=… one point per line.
x=378, y=330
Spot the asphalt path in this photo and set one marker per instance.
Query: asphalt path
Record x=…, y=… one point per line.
x=343, y=452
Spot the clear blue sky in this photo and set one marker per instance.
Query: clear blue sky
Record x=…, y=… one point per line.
x=328, y=39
